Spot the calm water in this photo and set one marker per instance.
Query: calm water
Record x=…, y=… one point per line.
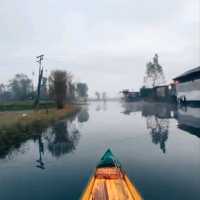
x=157, y=144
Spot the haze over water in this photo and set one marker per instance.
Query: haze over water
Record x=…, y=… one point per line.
x=158, y=151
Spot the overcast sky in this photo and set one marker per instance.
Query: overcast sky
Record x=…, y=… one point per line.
x=105, y=43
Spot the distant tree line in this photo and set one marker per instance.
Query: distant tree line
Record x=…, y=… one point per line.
x=59, y=86
x=100, y=96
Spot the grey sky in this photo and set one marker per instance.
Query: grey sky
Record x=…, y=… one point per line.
x=104, y=43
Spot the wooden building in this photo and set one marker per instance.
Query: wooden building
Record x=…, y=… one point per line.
x=130, y=96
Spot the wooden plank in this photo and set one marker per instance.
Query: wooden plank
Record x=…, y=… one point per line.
x=119, y=190
x=88, y=191
x=109, y=173
x=114, y=186
x=100, y=190
x=135, y=194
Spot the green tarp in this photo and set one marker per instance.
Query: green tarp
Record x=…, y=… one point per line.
x=108, y=160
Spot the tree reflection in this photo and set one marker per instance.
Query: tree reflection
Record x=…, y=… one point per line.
x=98, y=107
x=157, y=120
x=104, y=105
x=64, y=138
x=83, y=116
x=158, y=130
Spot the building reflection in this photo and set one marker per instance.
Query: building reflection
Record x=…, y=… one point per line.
x=189, y=119
x=157, y=119
x=129, y=108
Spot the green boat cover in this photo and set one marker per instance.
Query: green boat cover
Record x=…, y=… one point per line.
x=108, y=160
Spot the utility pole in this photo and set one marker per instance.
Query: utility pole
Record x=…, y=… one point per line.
x=39, y=60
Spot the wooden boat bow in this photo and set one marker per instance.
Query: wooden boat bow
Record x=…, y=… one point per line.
x=110, y=182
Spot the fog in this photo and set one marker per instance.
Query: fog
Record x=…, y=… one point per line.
x=104, y=43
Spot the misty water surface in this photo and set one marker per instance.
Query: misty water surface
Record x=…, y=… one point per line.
x=157, y=144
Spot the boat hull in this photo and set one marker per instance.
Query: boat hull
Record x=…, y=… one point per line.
x=110, y=182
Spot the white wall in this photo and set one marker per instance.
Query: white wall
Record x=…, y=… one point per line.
x=190, y=89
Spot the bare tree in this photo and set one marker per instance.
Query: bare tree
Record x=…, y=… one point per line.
x=58, y=82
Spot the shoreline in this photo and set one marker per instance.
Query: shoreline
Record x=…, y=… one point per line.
x=17, y=127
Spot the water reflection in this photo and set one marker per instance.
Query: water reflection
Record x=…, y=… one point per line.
x=101, y=106
x=59, y=139
x=138, y=140
x=83, y=115
x=40, y=163
x=63, y=139
x=189, y=119
x=157, y=119
x=158, y=130
x=129, y=108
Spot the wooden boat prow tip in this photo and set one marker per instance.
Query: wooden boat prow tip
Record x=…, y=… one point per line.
x=110, y=182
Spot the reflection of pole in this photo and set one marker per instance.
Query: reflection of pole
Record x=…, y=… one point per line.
x=41, y=151
x=40, y=58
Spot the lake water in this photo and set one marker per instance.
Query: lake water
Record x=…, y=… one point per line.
x=157, y=144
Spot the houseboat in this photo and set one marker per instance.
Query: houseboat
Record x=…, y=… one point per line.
x=188, y=120
x=130, y=96
x=188, y=86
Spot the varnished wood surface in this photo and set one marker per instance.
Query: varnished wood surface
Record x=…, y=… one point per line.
x=110, y=184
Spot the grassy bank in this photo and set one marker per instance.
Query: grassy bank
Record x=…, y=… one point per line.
x=24, y=105
x=16, y=127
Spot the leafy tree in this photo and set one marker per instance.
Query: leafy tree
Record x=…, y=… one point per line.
x=21, y=86
x=154, y=73
x=82, y=89
x=58, y=82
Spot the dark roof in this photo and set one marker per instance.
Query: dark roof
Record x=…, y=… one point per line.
x=161, y=86
x=188, y=73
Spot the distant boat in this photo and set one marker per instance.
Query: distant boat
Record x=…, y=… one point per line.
x=110, y=182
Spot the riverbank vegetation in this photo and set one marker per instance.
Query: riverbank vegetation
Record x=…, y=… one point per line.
x=59, y=88
x=25, y=105
x=26, y=111
x=16, y=127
